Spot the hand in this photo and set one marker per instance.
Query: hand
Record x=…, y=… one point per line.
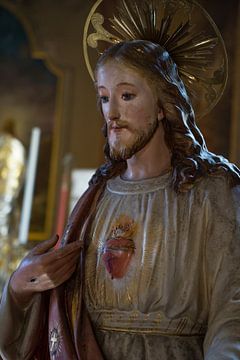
x=44, y=268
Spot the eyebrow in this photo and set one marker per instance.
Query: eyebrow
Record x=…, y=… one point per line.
x=118, y=85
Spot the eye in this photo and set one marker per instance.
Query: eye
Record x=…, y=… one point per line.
x=128, y=96
x=103, y=99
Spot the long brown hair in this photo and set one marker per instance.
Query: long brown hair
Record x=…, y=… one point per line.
x=191, y=160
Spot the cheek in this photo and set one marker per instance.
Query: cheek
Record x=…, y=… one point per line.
x=141, y=112
x=134, y=112
x=141, y=116
x=104, y=111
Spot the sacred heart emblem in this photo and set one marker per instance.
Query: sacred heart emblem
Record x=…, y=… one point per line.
x=119, y=247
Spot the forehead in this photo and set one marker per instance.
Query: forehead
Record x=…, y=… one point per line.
x=113, y=73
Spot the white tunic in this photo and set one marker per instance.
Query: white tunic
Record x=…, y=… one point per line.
x=177, y=295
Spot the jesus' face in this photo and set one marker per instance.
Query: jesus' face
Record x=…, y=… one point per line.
x=130, y=109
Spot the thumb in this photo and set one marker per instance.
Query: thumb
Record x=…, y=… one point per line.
x=44, y=246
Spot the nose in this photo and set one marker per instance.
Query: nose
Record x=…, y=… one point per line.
x=113, y=110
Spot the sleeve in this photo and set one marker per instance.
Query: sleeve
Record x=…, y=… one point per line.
x=222, y=341
x=21, y=328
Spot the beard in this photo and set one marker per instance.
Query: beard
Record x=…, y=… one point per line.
x=141, y=138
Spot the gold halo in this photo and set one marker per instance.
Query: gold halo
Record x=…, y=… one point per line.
x=177, y=25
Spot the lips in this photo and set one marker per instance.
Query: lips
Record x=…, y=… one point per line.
x=117, y=128
x=117, y=125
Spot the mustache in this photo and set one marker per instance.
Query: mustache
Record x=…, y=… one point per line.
x=118, y=124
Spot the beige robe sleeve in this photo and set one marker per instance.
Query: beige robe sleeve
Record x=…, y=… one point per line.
x=222, y=341
x=20, y=328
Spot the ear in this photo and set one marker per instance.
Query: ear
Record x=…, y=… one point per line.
x=160, y=114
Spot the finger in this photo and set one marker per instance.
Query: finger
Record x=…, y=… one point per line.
x=46, y=282
x=44, y=246
x=68, y=249
x=63, y=274
x=59, y=262
x=61, y=253
x=48, y=264
x=71, y=257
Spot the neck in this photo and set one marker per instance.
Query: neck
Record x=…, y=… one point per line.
x=153, y=160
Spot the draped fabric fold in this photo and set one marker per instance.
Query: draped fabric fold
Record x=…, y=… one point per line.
x=70, y=334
